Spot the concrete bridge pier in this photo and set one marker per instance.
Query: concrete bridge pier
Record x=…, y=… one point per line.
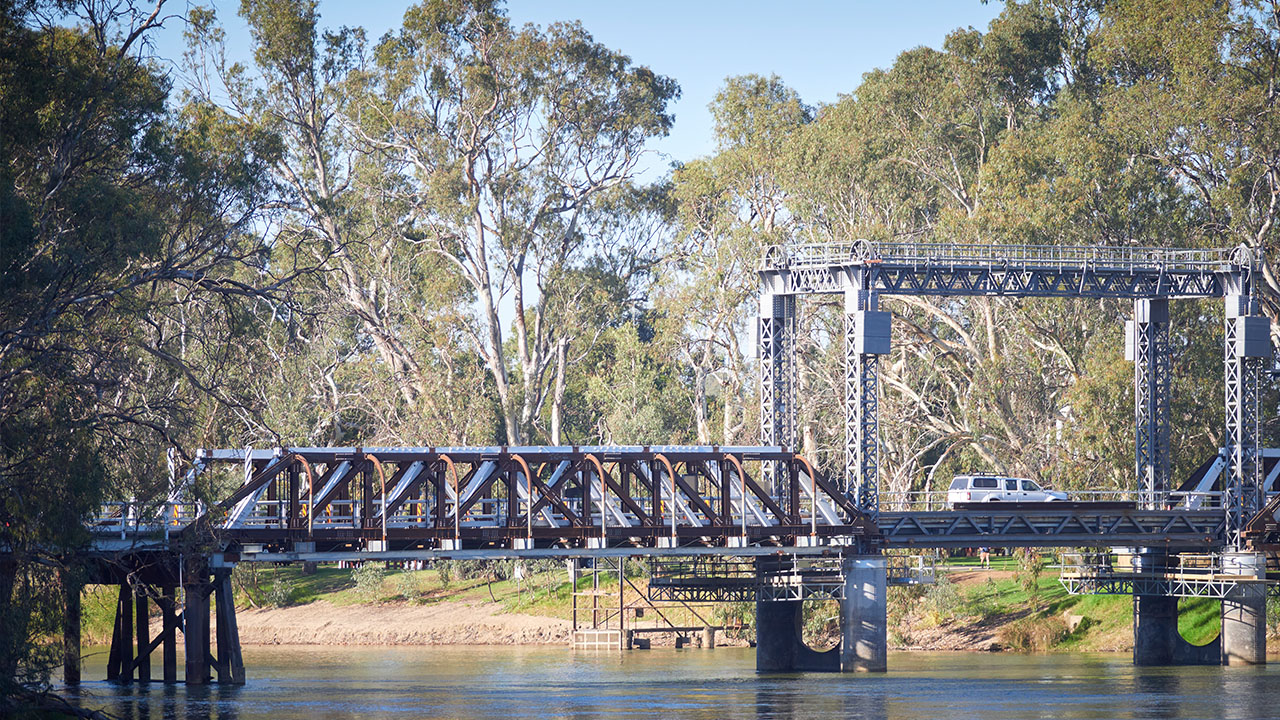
x=864, y=624
x=780, y=641
x=1156, y=640
x=1244, y=614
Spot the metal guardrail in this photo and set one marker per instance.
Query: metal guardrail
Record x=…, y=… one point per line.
x=936, y=500
x=777, y=257
x=1203, y=575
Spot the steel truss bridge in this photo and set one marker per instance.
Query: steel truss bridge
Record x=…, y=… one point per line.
x=366, y=503
x=862, y=271
x=532, y=500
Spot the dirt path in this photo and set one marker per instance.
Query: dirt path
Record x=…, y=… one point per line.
x=442, y=623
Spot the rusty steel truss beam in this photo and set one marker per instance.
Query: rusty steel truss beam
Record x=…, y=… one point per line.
x=458, y=498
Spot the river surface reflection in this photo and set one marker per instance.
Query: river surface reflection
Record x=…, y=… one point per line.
x=310, y=683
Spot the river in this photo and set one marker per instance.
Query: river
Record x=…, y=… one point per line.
x=314, y=683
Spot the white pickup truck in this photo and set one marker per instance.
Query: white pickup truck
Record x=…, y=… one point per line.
x=994, y=488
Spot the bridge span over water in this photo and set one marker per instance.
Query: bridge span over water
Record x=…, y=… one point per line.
x=763, y=504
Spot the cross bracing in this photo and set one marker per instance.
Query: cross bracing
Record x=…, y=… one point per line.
x=522, y=498
x=1052, y=527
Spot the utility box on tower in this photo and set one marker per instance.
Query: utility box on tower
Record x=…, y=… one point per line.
x=871, y=330
x=1253, y=336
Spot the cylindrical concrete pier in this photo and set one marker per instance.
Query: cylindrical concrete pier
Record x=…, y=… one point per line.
x=780, y=641
x=1244, y=612
x=864, y=624
x=1156, y=640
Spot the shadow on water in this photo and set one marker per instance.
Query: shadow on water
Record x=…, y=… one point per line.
x=804, y=698
x=157, y=701
x=1158, y=693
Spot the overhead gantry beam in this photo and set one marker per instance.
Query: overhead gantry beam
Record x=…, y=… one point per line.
x=1000, y=270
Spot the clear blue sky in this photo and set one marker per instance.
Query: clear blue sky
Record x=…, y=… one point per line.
x=821, y=49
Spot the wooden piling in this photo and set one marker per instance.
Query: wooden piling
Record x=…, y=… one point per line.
x=125, y=612
x=113, y=656
x=168, y=601
x=144, y=633
x=230, y=657
x=70, y=629
x=196, y=634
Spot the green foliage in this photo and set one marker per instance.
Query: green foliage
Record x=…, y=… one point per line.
x=942, y=600
x=368, y=578
x=1031, y=564
x=280, y=594
x=407, y=585
x=738, y=617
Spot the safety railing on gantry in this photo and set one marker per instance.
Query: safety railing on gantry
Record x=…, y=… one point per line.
x=1146, y=258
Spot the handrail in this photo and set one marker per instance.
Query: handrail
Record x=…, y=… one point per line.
x=866, y=251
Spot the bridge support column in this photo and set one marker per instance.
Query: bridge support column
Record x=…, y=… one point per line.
x=70, y=628
x=230, y=661
x=1147, y=345
x=864, y=621
x=168, y=601
x=780, y=641
x=143, y=628
x=1244, y=614
x=866, y=331
x=777, y=349
x=1156, y=640
x=195, y=616
x=1248, y=344
x=120, y=659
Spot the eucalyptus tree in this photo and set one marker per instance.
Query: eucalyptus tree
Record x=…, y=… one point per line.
x=126, y=270
x=380, y=358
x=731, y=206
x=503, y=139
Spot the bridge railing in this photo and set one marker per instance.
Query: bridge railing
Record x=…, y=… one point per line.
x=1122, y=258
x=128, y=518
x=936, y=500
x=1102, y=564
